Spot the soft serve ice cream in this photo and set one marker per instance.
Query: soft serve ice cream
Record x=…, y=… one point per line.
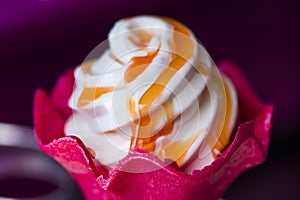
x=155, y=88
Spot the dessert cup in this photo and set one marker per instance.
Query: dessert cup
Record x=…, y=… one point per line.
x=142, y=174
x=248, y=148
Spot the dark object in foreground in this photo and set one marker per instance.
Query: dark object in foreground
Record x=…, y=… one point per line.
x=31, y=174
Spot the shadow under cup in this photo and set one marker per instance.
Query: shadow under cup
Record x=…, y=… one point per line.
x=31, y=174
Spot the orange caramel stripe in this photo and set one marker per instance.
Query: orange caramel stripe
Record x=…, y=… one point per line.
x=86, y=66
x=178, y=149
x=139, y=64
x=144, y=139
x=184, y=50
x=90, y=94
x=224, y=138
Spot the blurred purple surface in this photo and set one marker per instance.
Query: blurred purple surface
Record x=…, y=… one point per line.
x=40, y=39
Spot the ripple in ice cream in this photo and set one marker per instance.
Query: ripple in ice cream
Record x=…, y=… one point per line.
x=154, y=88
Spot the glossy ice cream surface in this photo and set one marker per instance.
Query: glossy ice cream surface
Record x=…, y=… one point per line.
x=155, y=88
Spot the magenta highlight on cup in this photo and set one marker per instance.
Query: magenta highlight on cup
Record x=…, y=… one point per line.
x=28, y=173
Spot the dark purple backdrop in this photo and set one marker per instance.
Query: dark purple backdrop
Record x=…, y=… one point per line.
x=40, y=39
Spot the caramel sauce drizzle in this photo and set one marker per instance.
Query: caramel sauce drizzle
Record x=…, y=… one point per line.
x=141, y=137
x=143, y=126
x=223, y=139
x=176, y=150
x=139, y=64
x=86, y=66
x=89, y=94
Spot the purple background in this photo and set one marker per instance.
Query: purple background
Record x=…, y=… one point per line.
x=40, y=39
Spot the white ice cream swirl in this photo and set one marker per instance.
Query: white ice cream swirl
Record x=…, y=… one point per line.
x=154, y=88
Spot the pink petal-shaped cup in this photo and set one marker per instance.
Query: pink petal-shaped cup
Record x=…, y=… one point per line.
x=248, y=148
